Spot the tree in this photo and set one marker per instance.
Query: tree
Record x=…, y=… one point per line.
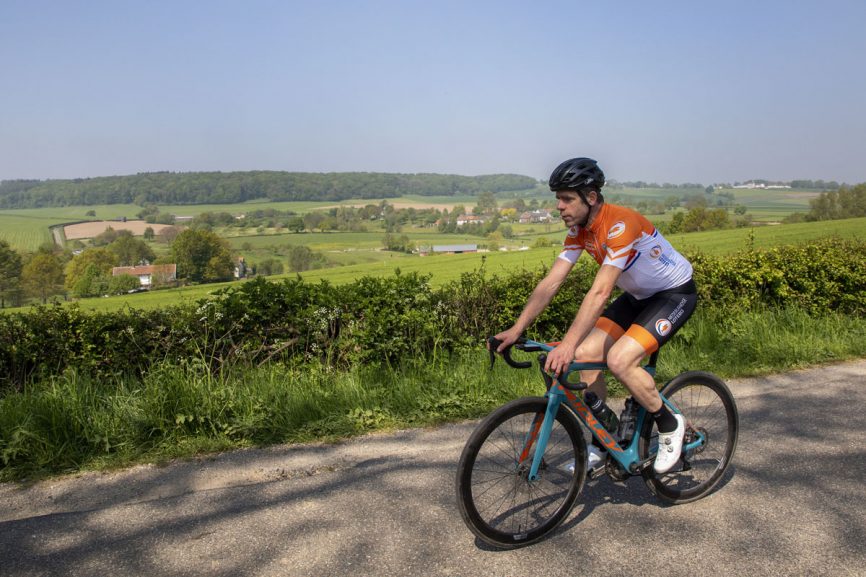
x=10, y=272
x=296, y=224
x=270, y=266
x=42, y=276
x=202, y=256
x=313, y=220
x=108, y=236
x=168, y=234
x=300, y=258
x=486, y=203
x=93, y=282
x=148, y=233
x=122, y=284
x=131, y=251
x=100, y=260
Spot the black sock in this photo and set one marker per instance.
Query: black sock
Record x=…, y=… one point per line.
x=665, y=420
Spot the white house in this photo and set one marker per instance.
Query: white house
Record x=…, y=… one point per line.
x=454, y=248
x=535, y=216
x=149, y=275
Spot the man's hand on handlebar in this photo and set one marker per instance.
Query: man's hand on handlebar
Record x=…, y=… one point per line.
x=559, y=359
x=507, y=338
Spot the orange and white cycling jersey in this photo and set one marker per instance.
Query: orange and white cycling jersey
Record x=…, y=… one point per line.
x=624, y=238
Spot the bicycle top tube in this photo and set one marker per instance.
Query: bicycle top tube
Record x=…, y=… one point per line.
x=530, y=344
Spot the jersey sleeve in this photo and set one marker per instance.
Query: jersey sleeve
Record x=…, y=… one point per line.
x=571, y=248
x=620, y=243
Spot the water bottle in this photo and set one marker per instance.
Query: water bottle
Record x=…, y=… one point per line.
x=627, y=420
x=601, y=411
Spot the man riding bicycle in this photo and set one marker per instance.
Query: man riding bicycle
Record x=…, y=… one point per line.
x=659, y=295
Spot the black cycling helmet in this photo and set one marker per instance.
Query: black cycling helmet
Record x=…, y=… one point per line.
x=578, y=174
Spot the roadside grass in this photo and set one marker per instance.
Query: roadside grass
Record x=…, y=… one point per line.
x=73, y=423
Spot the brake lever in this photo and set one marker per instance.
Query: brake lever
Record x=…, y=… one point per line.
x=492, y=344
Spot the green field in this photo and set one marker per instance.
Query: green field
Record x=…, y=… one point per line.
x=27, y=229
x=445, y=268
x=25, y=233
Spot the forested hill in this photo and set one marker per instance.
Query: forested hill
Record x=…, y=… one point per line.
x=232, y=187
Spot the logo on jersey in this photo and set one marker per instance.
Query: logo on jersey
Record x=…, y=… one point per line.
x=655, y=251
x=663, y=326
x=616, y=230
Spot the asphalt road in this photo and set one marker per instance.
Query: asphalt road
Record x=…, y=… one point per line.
x=793, y=503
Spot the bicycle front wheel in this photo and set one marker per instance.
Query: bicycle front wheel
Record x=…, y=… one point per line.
x=710, y=412
x=496, y=498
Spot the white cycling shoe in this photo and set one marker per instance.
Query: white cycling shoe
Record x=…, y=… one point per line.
x=670, y=447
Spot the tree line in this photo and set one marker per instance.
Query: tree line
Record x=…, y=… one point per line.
x=234, y=187
x=847, y=202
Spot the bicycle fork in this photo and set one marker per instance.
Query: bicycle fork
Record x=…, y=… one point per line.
x=539, y=434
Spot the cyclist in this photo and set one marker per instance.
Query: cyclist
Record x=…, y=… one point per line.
x=658, y=296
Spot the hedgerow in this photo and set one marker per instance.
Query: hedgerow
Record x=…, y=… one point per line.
x=386, y=321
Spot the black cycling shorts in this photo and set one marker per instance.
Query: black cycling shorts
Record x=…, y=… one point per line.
x=651, y=321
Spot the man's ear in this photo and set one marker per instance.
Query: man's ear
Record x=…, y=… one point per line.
x=592, y=197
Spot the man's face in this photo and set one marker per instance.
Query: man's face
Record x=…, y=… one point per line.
x=572, y=210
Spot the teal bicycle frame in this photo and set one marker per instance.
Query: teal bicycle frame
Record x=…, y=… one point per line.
x=558, y=393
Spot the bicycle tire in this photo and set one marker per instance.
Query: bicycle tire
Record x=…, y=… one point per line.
x=708, y=406
x=495, y=498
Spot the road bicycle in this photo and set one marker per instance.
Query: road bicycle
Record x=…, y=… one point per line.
x=525, y=464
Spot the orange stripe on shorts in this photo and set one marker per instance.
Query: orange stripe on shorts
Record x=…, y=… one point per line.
x=644, y=337
x=610, y=327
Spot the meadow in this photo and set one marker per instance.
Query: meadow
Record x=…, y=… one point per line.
x=445, y=268
x=350, y=255
x=27, y=229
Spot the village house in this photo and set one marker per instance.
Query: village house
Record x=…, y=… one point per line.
x=535, y=216
x=464, y=219
x=149, y=275
x=454, y=248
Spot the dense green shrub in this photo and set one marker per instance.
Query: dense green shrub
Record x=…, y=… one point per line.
x=383, y=321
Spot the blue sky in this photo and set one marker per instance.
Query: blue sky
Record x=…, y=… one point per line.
x=670, y=91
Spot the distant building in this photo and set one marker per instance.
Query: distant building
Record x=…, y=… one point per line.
x=149, y=275
x=752, y=185
x=535, y=216
x=454, y=248
x=241, y=268
x=464, y=219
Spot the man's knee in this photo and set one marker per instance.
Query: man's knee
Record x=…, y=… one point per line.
x=588, y=352
x=620, y=362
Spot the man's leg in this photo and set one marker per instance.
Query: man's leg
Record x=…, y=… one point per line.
x=594, y=348
x=624, y=361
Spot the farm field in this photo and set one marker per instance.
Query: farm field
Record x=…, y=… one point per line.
x=445, y=268
x=26, y=229
x=93, y=228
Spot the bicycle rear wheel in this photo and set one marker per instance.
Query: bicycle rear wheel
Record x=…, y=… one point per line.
x=709, y=409
x=496, y=499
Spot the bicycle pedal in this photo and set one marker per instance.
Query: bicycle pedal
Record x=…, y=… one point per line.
x=596, y=472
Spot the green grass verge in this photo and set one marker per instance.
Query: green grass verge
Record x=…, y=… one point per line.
x=71, y=423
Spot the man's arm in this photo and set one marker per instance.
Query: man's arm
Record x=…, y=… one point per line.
x=590, y=310
x=538, y=301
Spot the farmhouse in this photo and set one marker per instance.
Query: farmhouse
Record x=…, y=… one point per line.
x=149, y=275
x=454, y=248
x=535, y=216
x=464, y=219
